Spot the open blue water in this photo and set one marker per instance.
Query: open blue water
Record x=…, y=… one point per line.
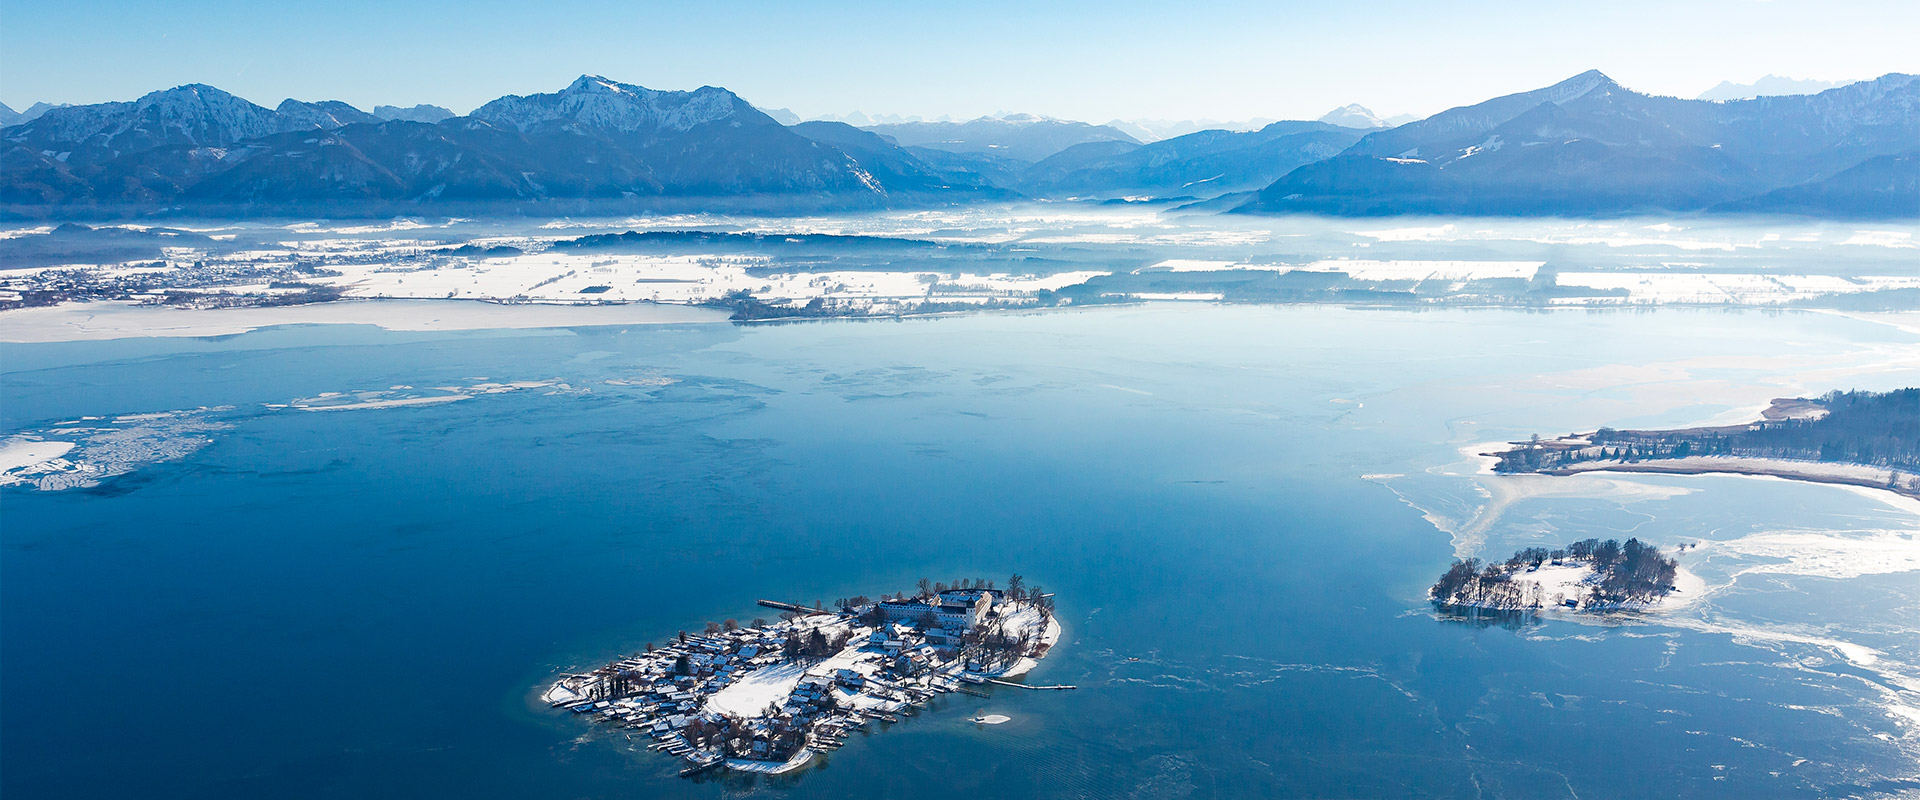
x=1232, y=503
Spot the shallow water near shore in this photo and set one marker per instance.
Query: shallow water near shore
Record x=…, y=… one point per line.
x=1239, y=507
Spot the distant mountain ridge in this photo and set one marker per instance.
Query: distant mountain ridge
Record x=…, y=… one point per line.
x=1026, y=137
x=1206, y=163
x=195, y=115
x=1767, y=86
x=596, y=140
x=8, y=116
x=419, y=113
x=1584, y=146
x=1354, y=115
x=1587, y=146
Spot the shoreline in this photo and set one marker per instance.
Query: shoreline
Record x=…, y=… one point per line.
x=1027, y=663
x=1856, y=475
x=1899, y=483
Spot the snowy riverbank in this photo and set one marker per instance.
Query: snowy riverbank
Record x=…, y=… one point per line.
x=1902, y=483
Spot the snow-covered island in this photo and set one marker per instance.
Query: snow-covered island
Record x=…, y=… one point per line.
x=1590, y=575
x=766, y=697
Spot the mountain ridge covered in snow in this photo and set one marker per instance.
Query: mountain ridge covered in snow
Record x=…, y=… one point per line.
x=1581, y=146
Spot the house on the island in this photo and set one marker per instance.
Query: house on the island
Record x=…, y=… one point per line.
x=916, y=613
x=963, y=610
x=888, y=637
x=960, y=609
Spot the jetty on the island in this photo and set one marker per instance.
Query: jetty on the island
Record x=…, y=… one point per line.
x=1030, y=686
x=766, y=696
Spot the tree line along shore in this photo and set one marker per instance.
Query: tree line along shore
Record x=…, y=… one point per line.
x=1858, y=438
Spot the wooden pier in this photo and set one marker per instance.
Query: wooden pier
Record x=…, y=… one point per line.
x=794, y=607
x=702, y=767
x=1035, y=688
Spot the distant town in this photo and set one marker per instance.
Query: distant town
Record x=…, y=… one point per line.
x=766, y=696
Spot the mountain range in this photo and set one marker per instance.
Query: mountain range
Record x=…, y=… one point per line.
x=1354, y=115
x=1768, y=86
x=1025, y=137
x=596, y=140
x=8, y=116
x=1583, y=146
x=1206, y=163
x=1587, y=146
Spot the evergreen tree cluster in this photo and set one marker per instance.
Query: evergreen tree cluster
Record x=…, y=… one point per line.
x=1634, y=572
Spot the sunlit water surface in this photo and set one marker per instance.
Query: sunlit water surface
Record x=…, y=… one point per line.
x=1239, y=507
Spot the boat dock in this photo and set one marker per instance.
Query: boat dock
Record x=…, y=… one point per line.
x=795, y=607
x=1035, y=688
x=702, y=767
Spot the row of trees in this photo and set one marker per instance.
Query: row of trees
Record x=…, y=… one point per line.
x=1017, y=589
x=1469, y=583
x=1878, y=428
x=814, y=643
x=1871, y=428
x=1633, y=572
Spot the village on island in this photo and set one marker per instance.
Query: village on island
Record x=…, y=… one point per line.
x=767, y=696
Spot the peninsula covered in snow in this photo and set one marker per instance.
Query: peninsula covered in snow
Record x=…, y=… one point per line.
x=1856, y=438
x=765, y=697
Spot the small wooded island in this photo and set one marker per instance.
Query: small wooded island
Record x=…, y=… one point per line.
x=1589, y=575
x=1856, y=438
x=765, y=697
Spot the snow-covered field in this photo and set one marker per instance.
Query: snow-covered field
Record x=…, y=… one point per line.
x=750, y=696
x=69, y=322
x=21, y=453
x=1558, y=584
x=1029, y=249
x=1717, y=288
x=572, y=278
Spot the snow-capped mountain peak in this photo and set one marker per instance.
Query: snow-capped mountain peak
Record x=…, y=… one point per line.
x=594, y=84
x=595, y=103
x=1578, y=86
x=1354, y=115
x=325, y=115
x=194, y=114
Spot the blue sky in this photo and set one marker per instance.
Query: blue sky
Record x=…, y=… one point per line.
x=1081, y=60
